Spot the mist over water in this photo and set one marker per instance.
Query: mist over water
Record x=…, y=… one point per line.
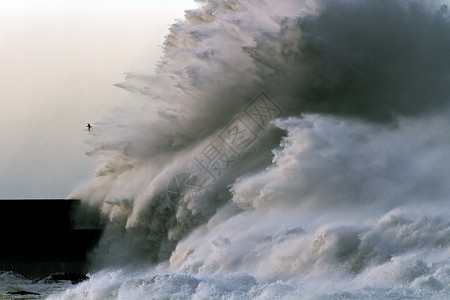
x=288, y=149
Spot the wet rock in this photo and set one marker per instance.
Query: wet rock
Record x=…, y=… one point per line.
x=74, y=278
x=22, y=293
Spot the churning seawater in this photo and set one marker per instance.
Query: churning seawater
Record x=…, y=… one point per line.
x=283, y=150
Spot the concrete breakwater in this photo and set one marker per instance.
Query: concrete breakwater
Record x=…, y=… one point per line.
x=39, y=237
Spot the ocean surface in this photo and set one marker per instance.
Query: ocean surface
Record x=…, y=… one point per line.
x=283, y=150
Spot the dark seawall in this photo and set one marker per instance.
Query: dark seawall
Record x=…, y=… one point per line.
x=39, y=237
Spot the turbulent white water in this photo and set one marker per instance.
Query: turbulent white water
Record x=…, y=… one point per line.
x=285, y=149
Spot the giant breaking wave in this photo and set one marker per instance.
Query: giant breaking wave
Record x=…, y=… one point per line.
x=284, y=149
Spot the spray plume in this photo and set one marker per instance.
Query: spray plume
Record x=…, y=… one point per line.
x=349, y=172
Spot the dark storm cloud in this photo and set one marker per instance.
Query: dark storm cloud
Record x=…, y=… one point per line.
x=369, y=59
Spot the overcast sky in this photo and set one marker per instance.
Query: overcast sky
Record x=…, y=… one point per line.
x=58, y=63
